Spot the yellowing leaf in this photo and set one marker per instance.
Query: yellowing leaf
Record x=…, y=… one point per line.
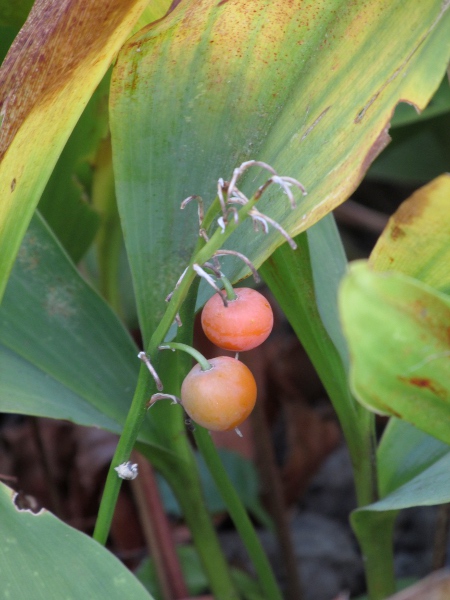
x=308, y=87
x=398, y=331
x=48, y=76
x=416, y=240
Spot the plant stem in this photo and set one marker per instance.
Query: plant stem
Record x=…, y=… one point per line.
x=374, y=531
x=198, y=356
x=238, y=514
x=231, y=294
x=122, y=454
x=375, y=537
x=146, y=386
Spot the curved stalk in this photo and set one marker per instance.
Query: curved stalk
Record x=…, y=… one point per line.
x=198, y=356
x=231, y=294
x=146, y=388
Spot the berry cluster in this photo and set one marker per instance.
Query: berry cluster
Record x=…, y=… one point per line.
x=221, y=397
x=219, y=394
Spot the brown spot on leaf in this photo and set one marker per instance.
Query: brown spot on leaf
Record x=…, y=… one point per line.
x=420, y=382
x=13, y=184
x=425, y=383
x=412, y=209
x=397, y=232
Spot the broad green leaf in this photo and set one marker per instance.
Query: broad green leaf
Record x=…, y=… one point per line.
x=44, y=558
x=416, y=239
x=309, y=89
x=64, y=354
x=430, y=487
x=404, y=452
x=48, y=76
x=415, y=242
x=397, y=331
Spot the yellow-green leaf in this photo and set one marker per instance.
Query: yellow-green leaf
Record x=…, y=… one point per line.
x=49, y=74
x=308, y=87
x=416, y=240
x=398, y=331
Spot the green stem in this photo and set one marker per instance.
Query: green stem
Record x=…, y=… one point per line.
x=146, y=386
x=374, y=531
x=238, y=514
x=205, y=365
x=375, y=537
x=122, y=454
x=176, y=461
x=231, y=294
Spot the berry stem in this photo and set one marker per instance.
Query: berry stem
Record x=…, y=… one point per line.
x=204, y=364
x=204, y=250
x=231, y=294
x=146, y=385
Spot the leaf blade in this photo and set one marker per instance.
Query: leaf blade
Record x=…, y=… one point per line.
x=253, y=95
x=396, y=328
x=42, y=98
x=42, y=557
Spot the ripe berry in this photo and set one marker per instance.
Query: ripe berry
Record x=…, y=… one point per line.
x=219, y=398
x=242, y=325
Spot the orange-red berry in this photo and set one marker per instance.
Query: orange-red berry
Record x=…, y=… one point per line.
x=220, y=398
x=242, y=325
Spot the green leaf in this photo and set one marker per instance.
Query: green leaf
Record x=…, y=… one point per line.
x=404, y=452
x=308, y=90
x=305, y=284
x=66, y=355
x=397, y=330
x=48, y=76
x=44, y=558
x=430, y=487
x=415, y=241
